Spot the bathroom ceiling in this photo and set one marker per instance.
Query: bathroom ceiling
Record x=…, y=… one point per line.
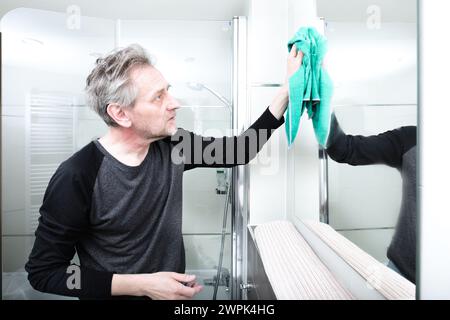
x=356, y=10
x=139, y=9
x=332, y=10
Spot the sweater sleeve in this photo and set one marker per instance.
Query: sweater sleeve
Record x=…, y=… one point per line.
x=226, y=152
x=385, y=148
x=63, y=222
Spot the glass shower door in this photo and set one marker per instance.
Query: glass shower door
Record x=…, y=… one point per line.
x=59, y=123
x=196, y=57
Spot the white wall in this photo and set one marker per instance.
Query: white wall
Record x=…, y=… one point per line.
x=434, y=172
x=372, y=66
x=267, y=38
x=273, y=192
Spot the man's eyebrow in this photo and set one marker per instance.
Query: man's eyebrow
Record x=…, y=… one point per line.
x=161, y=90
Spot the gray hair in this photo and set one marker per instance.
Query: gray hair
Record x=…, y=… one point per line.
x=110, y=82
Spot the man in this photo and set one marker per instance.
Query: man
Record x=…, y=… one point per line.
x=118, y=200
x=397, y=149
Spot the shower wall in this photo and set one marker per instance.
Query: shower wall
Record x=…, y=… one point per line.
x=267, y=35
x=43, y=68
x=185, y=51
x=200, y=52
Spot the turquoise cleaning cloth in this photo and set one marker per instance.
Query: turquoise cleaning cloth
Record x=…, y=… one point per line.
x=310, y=87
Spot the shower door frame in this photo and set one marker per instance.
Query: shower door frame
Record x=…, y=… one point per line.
x=240, y=174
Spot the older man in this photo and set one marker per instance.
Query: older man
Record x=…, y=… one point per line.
x=118, y=201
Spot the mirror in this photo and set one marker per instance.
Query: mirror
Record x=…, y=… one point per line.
x=373, y=63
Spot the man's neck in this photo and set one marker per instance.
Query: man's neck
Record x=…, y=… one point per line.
x=125, y=146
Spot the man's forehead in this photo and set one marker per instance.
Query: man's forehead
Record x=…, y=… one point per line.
x=149, y=79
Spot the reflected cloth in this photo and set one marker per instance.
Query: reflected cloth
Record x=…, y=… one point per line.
x=310, y=87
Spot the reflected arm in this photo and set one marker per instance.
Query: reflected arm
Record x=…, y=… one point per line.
x=385, y=148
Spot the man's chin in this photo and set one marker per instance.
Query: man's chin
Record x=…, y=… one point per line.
x=172, y=130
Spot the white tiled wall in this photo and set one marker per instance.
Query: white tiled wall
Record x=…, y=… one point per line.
x=186, y=51
x=203, y=208
x=294, y=175
x=15, y=252
x=303, y=180
x=267, y=41
x=89, y=126
x=202, y=251
x=267, y=38
x=362, y=196
x=372, y=66
x=13, y=180
x=17, y=83
x=198, y=51
x=267, y=196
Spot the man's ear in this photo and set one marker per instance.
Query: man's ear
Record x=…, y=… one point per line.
x=116, y=112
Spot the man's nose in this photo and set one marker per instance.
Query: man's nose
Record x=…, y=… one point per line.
x=173, y=103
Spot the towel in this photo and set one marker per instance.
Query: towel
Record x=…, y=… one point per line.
x=310, y=87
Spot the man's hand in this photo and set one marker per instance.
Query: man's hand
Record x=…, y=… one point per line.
x=158, y=286
x=294, y=62
x=280, y=102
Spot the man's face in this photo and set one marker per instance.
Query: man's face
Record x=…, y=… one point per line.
x=153, y=114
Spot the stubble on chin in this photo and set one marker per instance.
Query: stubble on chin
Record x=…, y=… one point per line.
x=172, y=131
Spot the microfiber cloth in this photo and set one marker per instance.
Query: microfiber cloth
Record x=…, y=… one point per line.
x=310, y=87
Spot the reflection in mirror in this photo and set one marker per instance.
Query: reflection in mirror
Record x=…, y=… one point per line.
x=372, y=180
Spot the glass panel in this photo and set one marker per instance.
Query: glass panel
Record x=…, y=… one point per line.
x=364, y=201
x=374, y=70
x=202, y=256
x=194, y=56
x=42, y=119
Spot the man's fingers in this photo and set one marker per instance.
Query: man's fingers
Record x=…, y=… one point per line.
x=293, y=52
x=197, y=288
x=186, y=291
x=181, y=277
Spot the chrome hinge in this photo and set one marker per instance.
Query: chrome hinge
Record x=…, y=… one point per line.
x=247, y=286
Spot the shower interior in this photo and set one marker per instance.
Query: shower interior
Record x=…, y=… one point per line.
x=205, y=109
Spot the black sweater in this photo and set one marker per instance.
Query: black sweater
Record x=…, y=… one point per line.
x=122, y=219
